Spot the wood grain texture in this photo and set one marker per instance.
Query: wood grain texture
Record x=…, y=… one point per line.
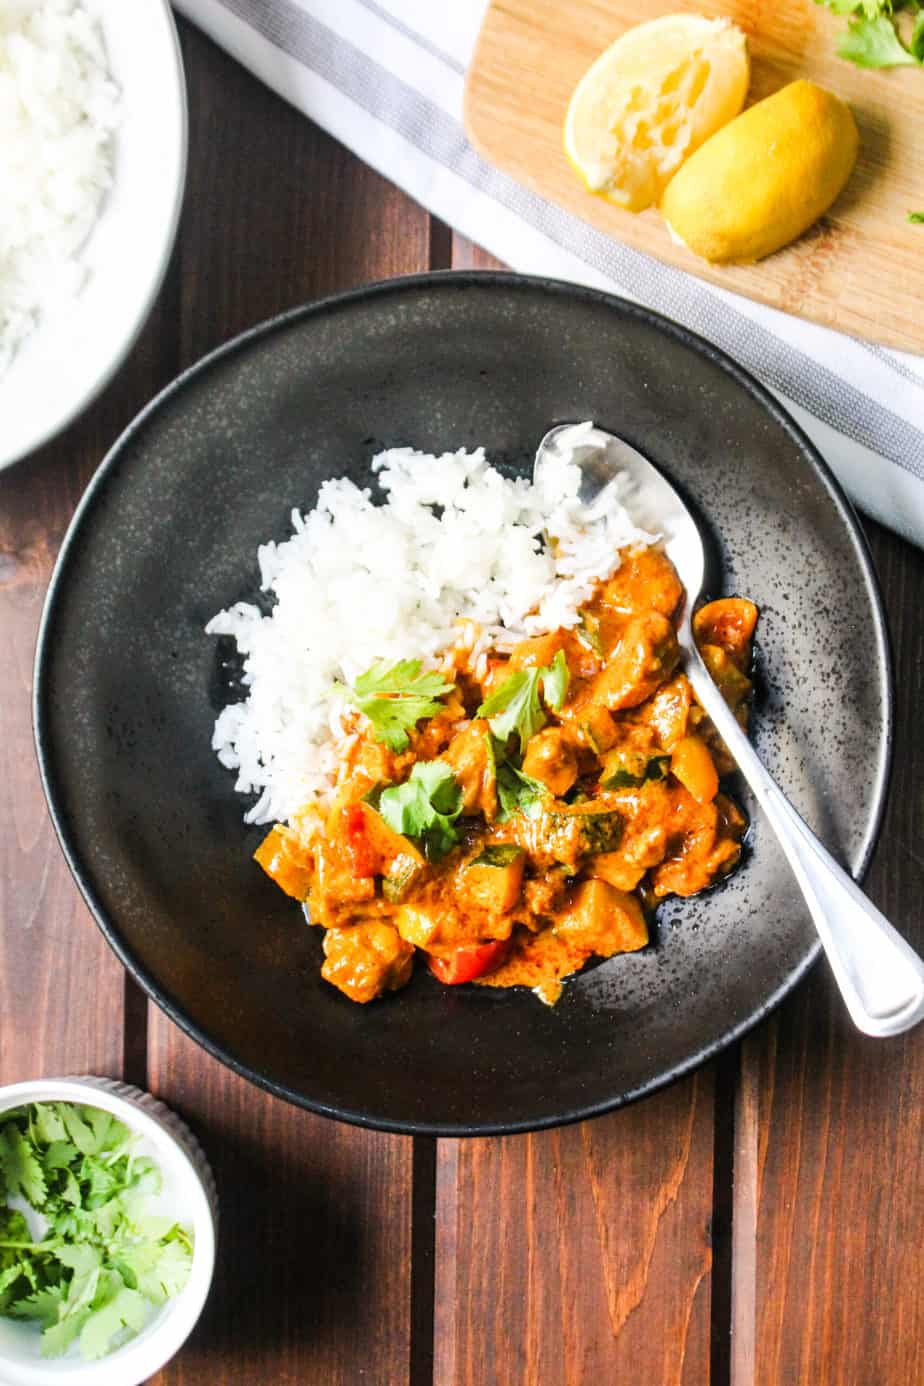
x=580, y=1255
x=829, y=1185
x=859, y=269
x=276, y=212
x=61, y=988
x=313, y=1278
x=314, y=1283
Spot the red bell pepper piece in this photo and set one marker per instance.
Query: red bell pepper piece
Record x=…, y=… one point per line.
x=469, y=961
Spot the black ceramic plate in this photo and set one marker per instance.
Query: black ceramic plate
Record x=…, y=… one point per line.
x=128, y=686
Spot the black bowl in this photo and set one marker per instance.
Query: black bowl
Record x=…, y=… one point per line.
x=128, y=685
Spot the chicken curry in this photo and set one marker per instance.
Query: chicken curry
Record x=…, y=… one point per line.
x=520, y=812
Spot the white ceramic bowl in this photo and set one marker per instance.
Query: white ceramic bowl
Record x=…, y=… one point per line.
x=188, y=1195
x=61, y=367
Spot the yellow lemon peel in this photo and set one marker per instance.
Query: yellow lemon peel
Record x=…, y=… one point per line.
x=765, y=178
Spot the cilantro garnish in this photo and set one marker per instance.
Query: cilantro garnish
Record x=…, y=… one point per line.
x=395, y=697
x=555, y=680
x=872, y=39
x=102, y=1262
x=516, y=792
x=515, y=709
x=425, y=807
x=917, y=217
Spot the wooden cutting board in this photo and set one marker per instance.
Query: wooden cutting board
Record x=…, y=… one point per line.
x=860, y=269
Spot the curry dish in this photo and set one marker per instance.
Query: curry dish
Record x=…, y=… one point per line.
x=518, y=813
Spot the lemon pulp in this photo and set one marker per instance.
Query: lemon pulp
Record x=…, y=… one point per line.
x=650, y=100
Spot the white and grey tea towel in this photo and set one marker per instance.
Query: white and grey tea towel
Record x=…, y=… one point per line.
x=386, y=78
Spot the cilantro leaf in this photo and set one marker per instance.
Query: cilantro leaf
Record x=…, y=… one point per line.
x=15, y=1239
x=516, y=792
x=13, y=1228
x=111, y=1134
x=78, y=1130
x=395, y=697
x=59, y=1155
x=44, y=1305
x=22, y=1173
x=86, y=1263
x=426, y=807
x=916, y=217
x=45, y=1124
x=9, y=1278
x=872, y=9
x=871, y=38
x=917, y=38
x=873, y=43
x=515, y=708
x=158, y=1271
x=126, y=1309
x=58, y=1337
x=555, y=681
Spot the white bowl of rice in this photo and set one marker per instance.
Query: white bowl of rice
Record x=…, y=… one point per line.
x=93, y=137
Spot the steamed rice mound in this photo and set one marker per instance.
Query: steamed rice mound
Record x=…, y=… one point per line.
x=452, y=554
x=58, y=110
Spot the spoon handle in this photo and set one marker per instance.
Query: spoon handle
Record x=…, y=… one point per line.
x=880, y=976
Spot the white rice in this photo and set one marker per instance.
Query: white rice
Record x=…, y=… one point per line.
x=58, y=108
x=358, y=582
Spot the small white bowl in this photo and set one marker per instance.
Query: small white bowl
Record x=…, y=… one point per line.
x=188, y=1194
x=64, y=364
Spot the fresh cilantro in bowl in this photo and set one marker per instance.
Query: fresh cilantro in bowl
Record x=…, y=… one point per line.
x=80, y=1254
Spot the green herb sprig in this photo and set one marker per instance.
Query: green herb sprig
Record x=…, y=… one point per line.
x=516, y=709
x=395, y=697
x=872, y=39
x=102, y=1262
x=516, y=792
x=425, y=807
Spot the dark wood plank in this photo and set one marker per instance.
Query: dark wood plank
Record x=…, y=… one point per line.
x=313, y=1278
x=579, y=1255
x=829, y=1187
x=61, y=993
x=277, y=213
x=314, y=1281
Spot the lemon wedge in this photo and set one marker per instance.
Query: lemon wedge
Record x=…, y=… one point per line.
x=763, y=179
x=650, y=100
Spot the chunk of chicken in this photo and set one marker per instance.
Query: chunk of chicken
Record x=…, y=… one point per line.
x=472, y=761
x=645, y=580
x=551, y=760
x=645, y=656
x=366, y=959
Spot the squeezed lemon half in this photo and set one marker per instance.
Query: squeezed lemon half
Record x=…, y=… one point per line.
x=650, y=100
x=764, y=178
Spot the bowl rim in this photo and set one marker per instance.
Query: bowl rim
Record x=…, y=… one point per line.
x=509, y=280
x=145, y=306
x=141, y=1356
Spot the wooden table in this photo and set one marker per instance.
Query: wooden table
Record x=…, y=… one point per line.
x=758, y=1223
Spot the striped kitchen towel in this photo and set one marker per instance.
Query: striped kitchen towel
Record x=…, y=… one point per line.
x=386, y=78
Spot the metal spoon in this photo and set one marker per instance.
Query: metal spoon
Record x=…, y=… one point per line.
x=880, y=976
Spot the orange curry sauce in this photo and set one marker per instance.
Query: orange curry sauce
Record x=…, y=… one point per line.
x=627, y=807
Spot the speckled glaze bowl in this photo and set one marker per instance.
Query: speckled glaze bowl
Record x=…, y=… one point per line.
x=128, y=685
